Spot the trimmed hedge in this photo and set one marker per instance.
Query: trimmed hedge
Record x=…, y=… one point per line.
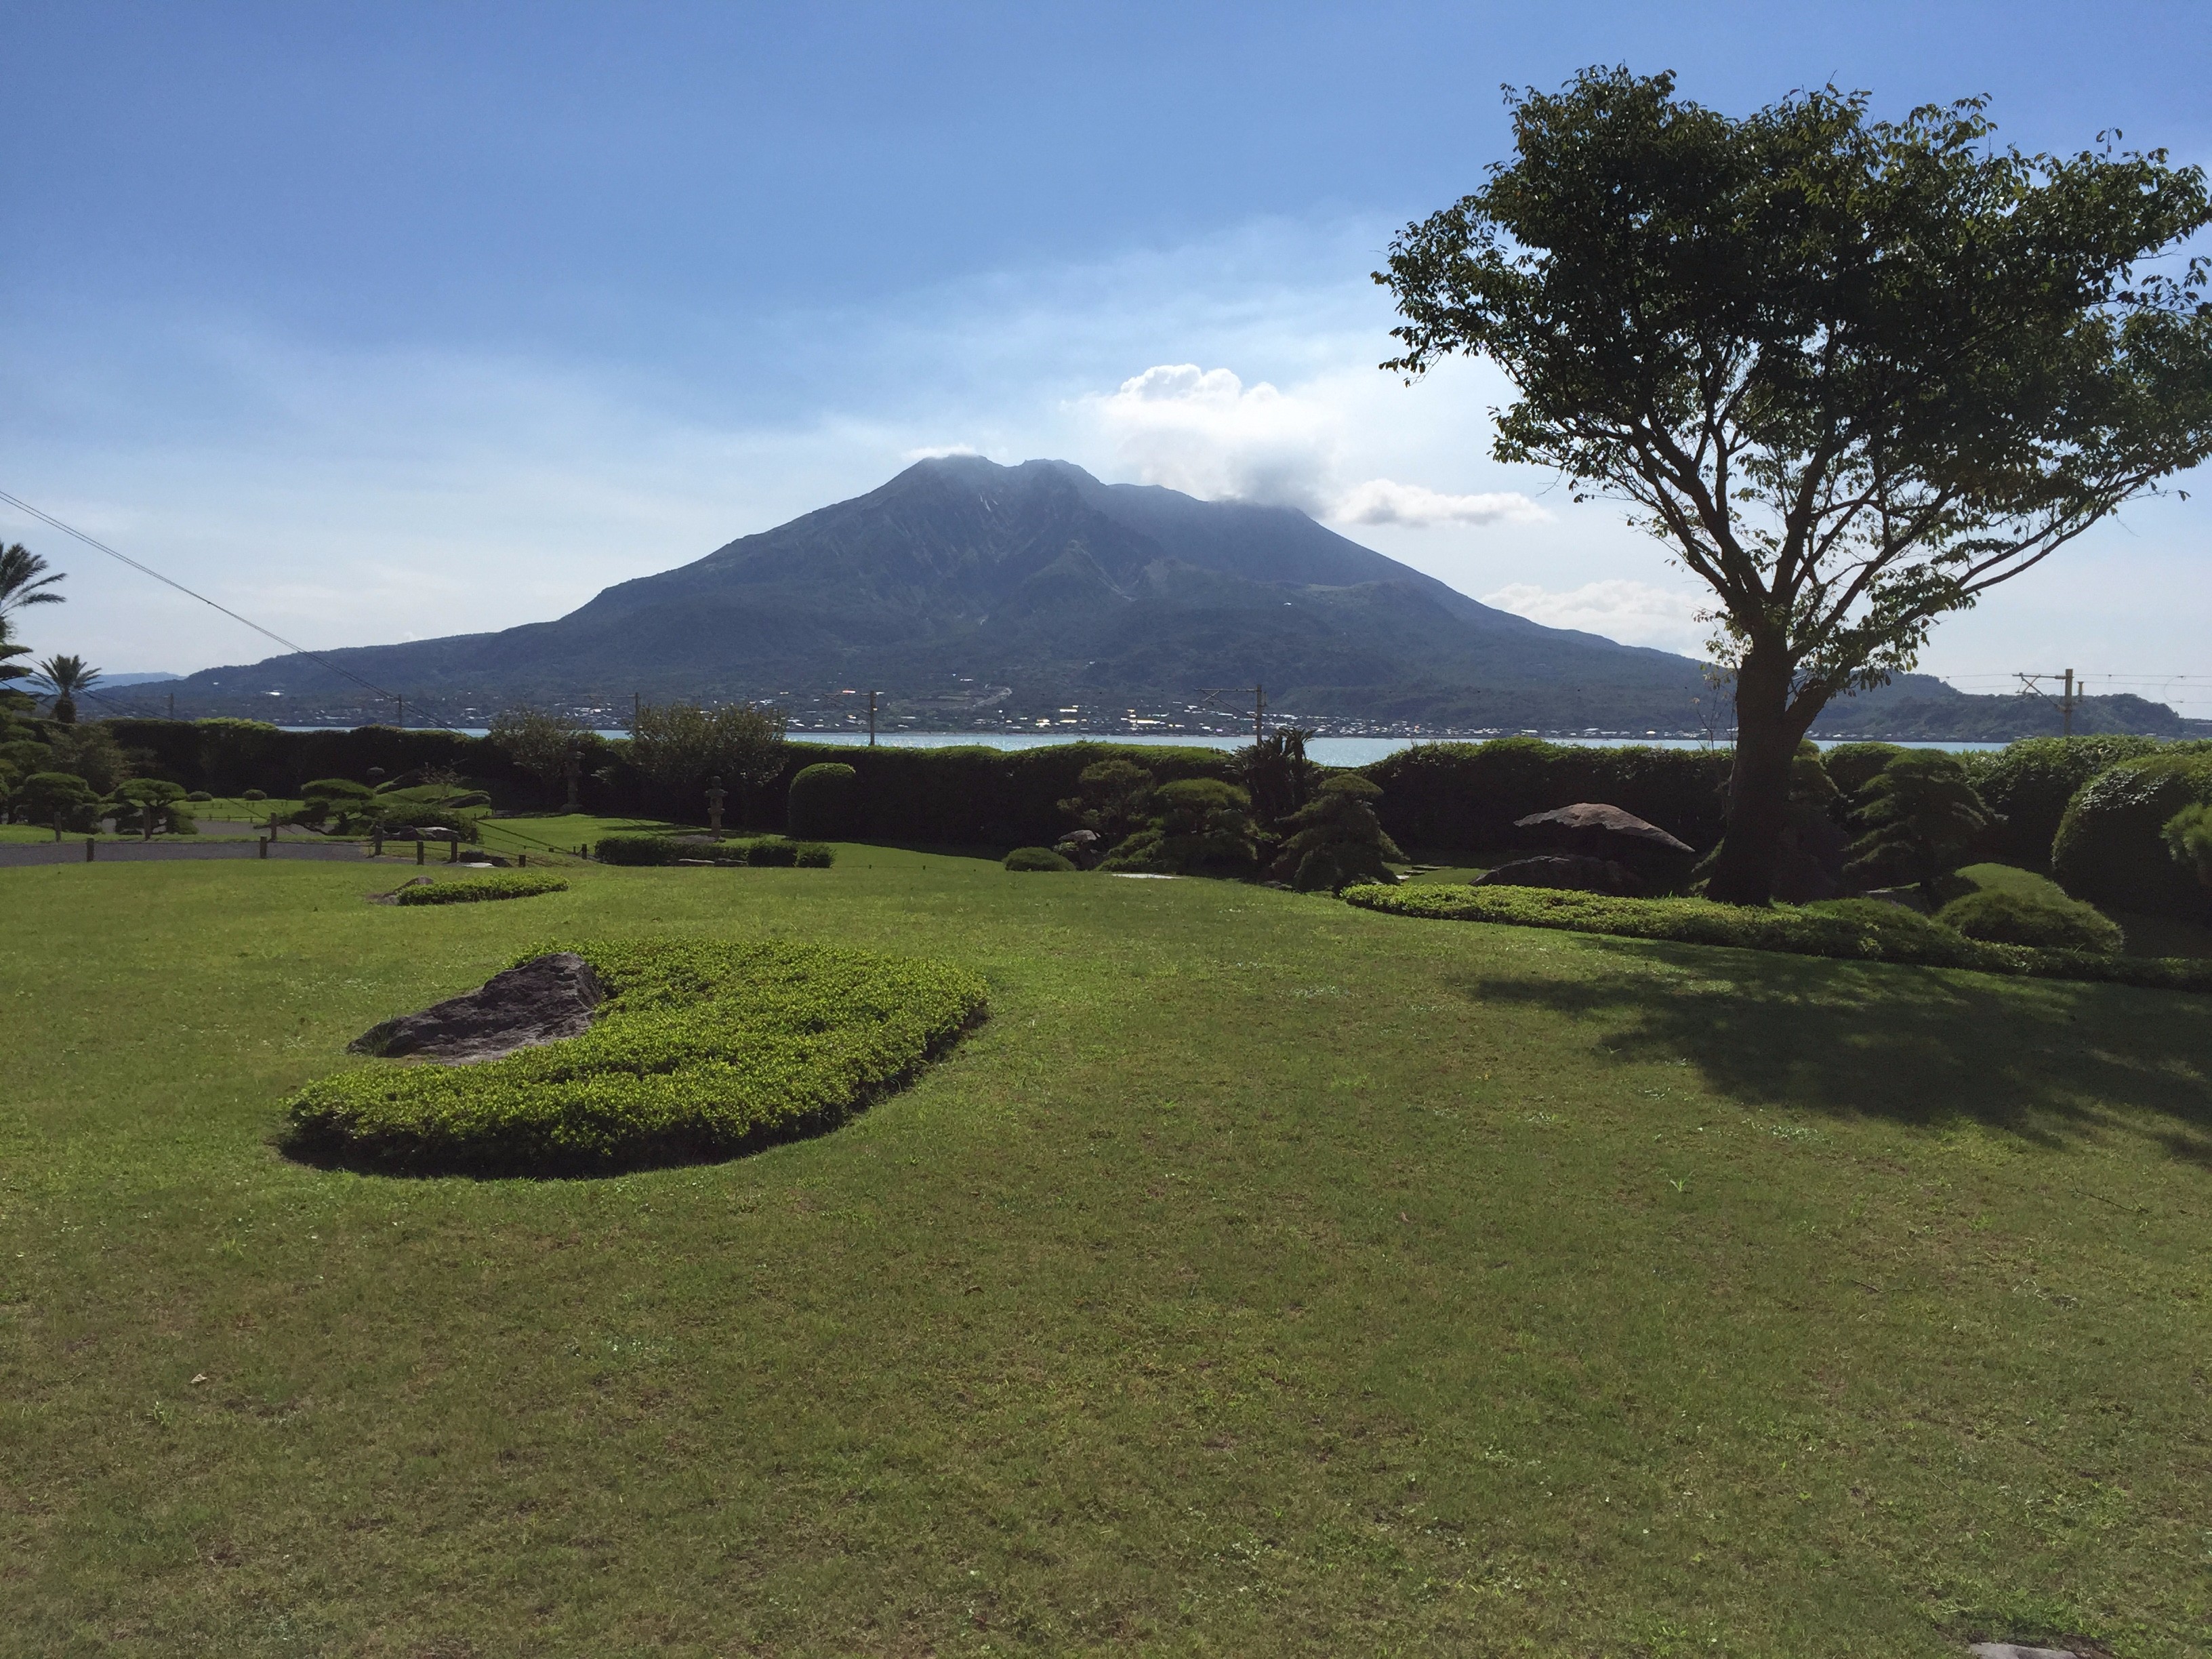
x=1465, y=797
x=823, y=801
x=1038, y=859
x=2111, y=847
x=1866, y=930
x=2028, y=784
x=702, y=1049
x=768, y=851
x=472, y=889
x=2014, y=918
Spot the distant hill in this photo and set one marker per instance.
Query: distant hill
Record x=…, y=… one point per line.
x=962, y=586
x=975, y=596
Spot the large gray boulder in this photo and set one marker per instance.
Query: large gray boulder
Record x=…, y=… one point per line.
x=1599, y=831
x=543, y=1000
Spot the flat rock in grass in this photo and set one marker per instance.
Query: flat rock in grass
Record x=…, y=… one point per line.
x=542, y=1001
x=2014, y=1650
x=1569, y=871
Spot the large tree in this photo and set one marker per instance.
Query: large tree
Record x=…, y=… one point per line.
x=1853, y=373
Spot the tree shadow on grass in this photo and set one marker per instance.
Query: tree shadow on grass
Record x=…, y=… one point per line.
x=2044, y=1059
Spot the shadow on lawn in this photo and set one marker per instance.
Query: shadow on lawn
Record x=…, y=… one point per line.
x=2044, y=1060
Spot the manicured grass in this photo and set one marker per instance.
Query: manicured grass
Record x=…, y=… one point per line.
x=1265, y=1276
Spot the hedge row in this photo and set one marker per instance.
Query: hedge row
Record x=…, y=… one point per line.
x=474, y=889
x=1867, y=930
x=1465, y=797
x=771, y=852
x=702, y=1049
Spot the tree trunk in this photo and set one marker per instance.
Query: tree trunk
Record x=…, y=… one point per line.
x=1759, y=787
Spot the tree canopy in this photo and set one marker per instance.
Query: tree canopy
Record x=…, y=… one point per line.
x=1853, y=373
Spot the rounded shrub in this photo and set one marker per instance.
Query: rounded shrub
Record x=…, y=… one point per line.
x=824, y=802
x=774, y=854
x=702, y=1049
x=2188, y=837
x=335, y=789
x=2012, y=918
x=252, y=794
x=2110, y=847
x=2027, y=785
x=199, y=794
x=638, y=849
x=1037, y=858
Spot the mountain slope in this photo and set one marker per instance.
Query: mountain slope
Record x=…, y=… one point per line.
x=1032, y=587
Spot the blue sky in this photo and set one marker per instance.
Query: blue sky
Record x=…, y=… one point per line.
x=384, y=322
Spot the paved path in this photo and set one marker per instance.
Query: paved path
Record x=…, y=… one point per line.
x=71, y=850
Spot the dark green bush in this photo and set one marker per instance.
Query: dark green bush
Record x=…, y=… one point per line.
x=815, y=855
x=702, y=1049
x=1037, y=858
x=1203, y=825
x=2188, y=837
x=1335, y=839
x=199, y=795
x=774, y=853
x=823, y=801
x=46, y=798
x=1857, y=929
x=2027, y=785
x=2111, y=847
x=1918, y=819
x=252, y=794
x=1852, y=766
x=474, y=889
x=640, y=849
x=1113, y=800
x=2007, y=917
x=335, y=789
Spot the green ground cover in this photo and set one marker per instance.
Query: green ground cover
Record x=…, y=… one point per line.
x=1264, y=1276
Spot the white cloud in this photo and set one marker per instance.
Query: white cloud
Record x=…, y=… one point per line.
x=939, y=452
x=1385, y=500
x=1632, y=612
x=1203, y=431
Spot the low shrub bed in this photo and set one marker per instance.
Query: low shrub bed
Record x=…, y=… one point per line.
x=1861, y=929
x=2019, y=918
x=1037, y=860
x=472, y=889
x=769, y=852
x=702, y=1049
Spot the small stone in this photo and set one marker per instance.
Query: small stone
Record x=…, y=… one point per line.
x=2014, y=1650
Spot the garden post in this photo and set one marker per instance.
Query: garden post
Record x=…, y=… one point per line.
x=418, y=849
x=88, y=845
x=453, y=848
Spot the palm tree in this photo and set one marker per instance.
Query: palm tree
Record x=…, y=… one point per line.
x=9, y=669
x=65, y=677
x=23, y=579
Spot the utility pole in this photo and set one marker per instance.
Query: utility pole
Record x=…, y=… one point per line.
x=872, y=720
x=173, y=705
x=636, y=708
x=1259, y=713
x=401, y=699
x=2068, y=701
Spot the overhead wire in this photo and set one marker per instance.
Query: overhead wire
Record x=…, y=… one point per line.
x=45, y=517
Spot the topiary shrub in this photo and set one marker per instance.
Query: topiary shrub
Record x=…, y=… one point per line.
x=252, y=794
x=1113, y=800
x=2110, y=847
x=1037, y=858
x=476, y=890
x=1852, y=766
x=198, y=795
x=57, y=798
x=2027, y=785
x=2014, y=918
x=335, y=789
x=702, y=1049
x=824, y=802
x=1204, y=824
x=1918, y=819
x=815, y=855
x=772, y=853
x=1335, y=839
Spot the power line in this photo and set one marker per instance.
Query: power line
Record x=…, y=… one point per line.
x=148, y=570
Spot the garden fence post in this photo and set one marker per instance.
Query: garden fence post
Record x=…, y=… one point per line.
x=418, y=849
x=88, y=845
x=454, y=848
x=263, y=845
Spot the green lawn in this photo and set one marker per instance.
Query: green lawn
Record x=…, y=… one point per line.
x=1265, y=1276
